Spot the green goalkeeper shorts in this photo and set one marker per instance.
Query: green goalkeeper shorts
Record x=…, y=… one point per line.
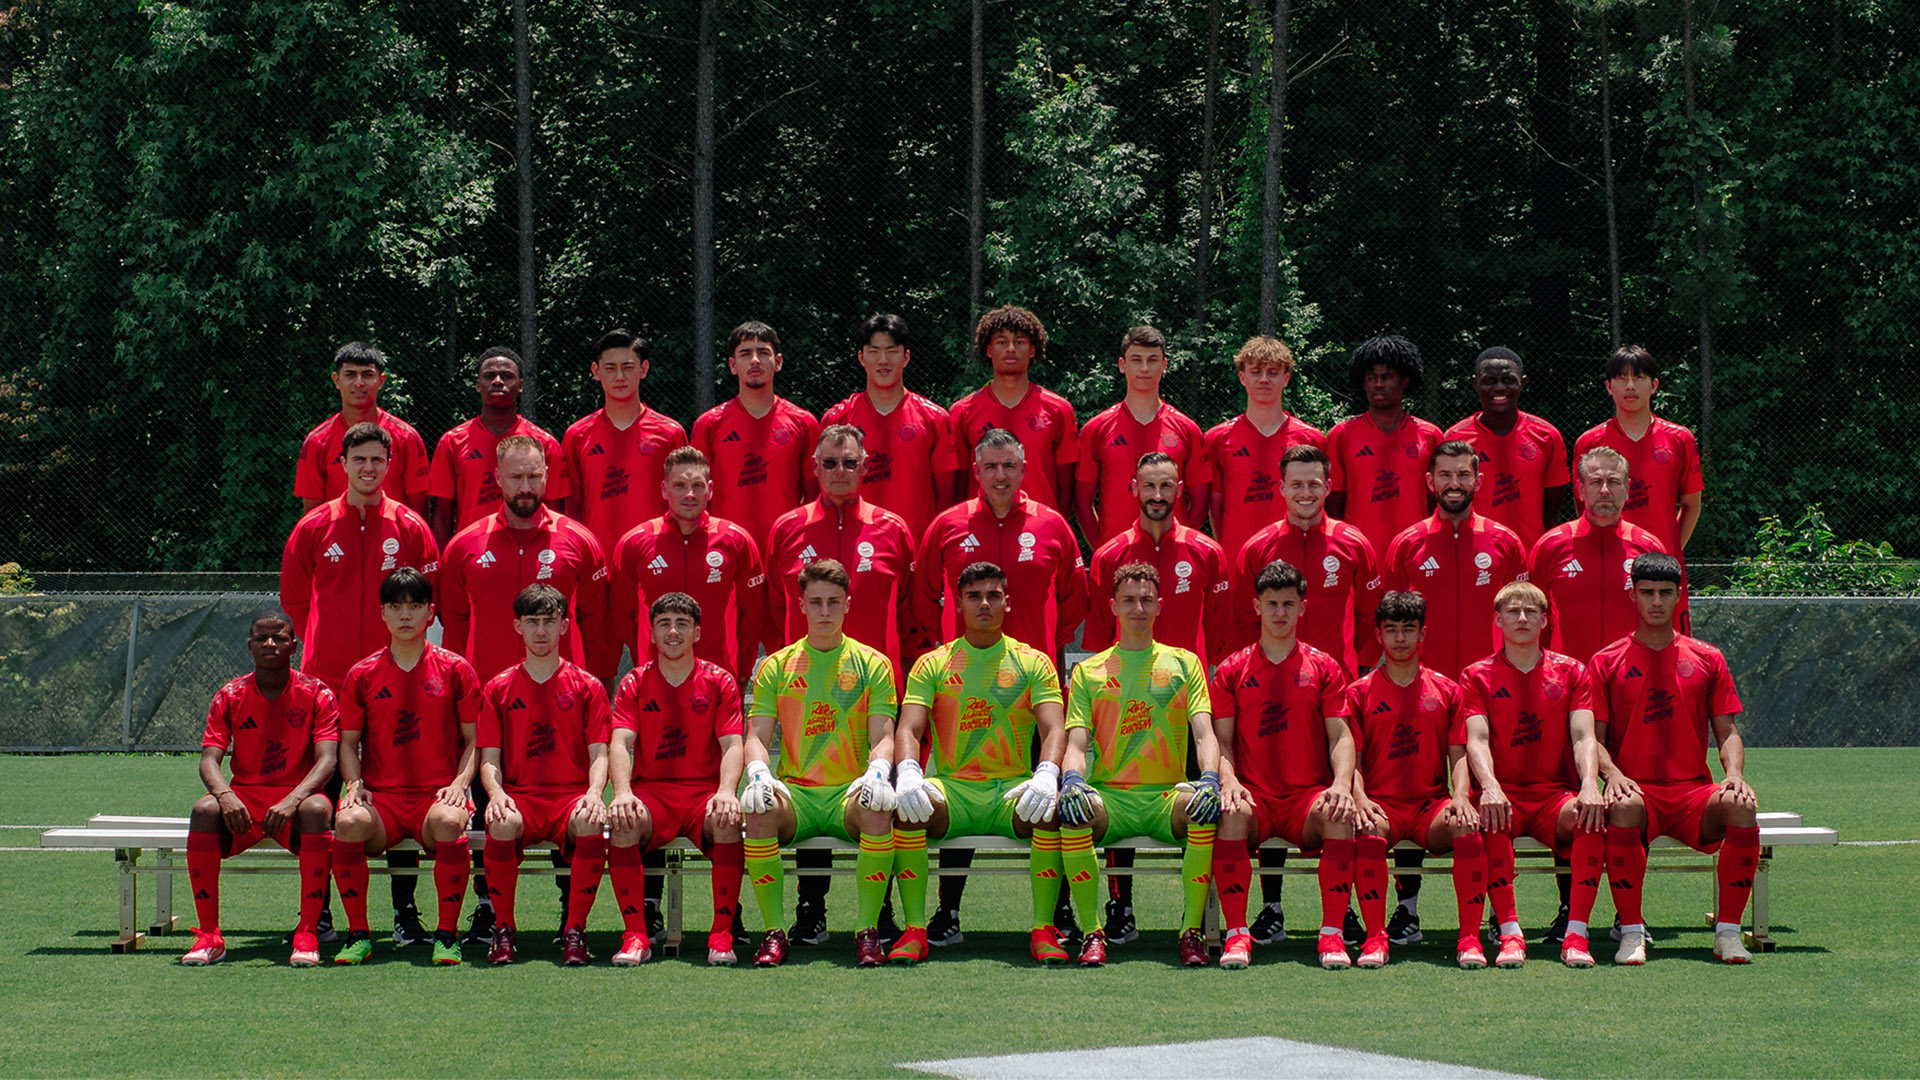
x=977, y=807
x=820, y=811
x=1145, y=810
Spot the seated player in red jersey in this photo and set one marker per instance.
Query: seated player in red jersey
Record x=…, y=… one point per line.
x=359, y=371
x=1008, y=341
x=1243, y=454
x=544, y=727
x=616, y=454
x=1522, y=458
x=676, y=761
x=1404, y=715
x=1581, y=566
x=282, y=729
x=1286, y=763
x=757, y=442
x=913, y=455
x=1658, y=696
x=1378, y=455
x=408, y=732
x=1529, y=734
x=1112, y=443
x=463, y=480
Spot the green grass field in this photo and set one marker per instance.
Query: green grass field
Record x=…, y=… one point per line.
x=1837, y=999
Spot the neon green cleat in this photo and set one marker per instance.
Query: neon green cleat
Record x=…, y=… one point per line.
x=356, y=951
x=446, y=950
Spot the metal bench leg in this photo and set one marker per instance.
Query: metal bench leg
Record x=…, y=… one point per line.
x=1210, y=921
x=164, y=920
x=1762, y=914
x=130, y=936
x=671, y=896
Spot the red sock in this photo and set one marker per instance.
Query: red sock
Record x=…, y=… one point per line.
x=1233, y=876
x=1500, y=878
x=350, y=873
x=1589, y=860
x=1739, y=861
x=1626, y=869
x=1370, y=881
x=503, y=877
x=1470, y=882
x=629, y=886
x=203, y=873
x=316, y=858
x=450, y=871
x=1336, y=882
x=589, y=863
x=729, y=864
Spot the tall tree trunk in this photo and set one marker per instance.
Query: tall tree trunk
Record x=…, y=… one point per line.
x=1700, y=253
x=1203, y=243
x=703, y=256
x=523, y=157
x=977, y=166
x=1550, y=292
x=1270, y=205
x=1613, y=204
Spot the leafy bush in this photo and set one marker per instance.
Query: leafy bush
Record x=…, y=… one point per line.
x=1806, y=559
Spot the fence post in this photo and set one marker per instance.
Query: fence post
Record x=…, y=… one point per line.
x=133, y=660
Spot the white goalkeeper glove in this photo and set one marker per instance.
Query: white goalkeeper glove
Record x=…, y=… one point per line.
x=1034, y=799
x=873, y=791
x=758, y=796
x=916, y=796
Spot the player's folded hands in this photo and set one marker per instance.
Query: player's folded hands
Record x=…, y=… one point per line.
x=624, y=810
x=915, y=797
x=873, y=791
x=1034, y=799
x=761, y=790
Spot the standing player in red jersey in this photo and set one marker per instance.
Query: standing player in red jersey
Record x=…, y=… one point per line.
x=1112, y=442
x=282, y=728
x=614, y=454
x=544, y=728
x=1523, y=459
x=913, y=456
x=1529, y=734
x=1009, y=341
x=1662, y=458
x=1243, y=453
x=359, y=371
x=1377, y=456
x=1404, y=715
x=407, y=759
x=465, y=482
x=676, y=760
x=1658, y=696
x=1286, y=763
x=1583, y=565
x=757, y=443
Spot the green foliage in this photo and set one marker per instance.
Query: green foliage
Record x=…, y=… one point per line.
x=1807, y=559
x=14, y=581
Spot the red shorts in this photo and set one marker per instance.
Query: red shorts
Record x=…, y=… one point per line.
x=1676, y=810
x=677, y=808
x=1409, y=819
x=257, y=800
x=1282, y=813
x=1536, y=811
x=403, y=812
x=544, y=814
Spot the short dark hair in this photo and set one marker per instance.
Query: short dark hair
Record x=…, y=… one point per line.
x=1396, y=352
x=752, y=330
x=519, y=366
x=979, y=571
x=539, y=598
x=893, y=326
x=406, y=586
x=1632, y=360
x=366, y=431
x=1401, y=607
x=1153, y=457
x=1136, y=571
x=271, y=614
x=1453, y=448
x=1498, y=352
x=828, y=570
x=619, y=339
x=684, y=455
x=1016, y=319
x=363, y=353
x=1143, y=335
x=1656, y=566
x=1305, y=452
x=677, y=603
x=1279, y=574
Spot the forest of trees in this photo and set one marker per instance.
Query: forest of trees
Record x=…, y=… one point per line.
x=203, y=198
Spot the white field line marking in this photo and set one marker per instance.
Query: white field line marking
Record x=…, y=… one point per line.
x=1876, y=843
x=1229, y=1059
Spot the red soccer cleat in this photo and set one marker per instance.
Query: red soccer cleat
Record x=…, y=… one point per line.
x=573, y=947
x=635, y=949
x=1237, y=953
x=1374, y=953
x=1093, y=949
x=773, y=949
x=500, y=950
x=1574, y=951
x=1472, y=957
x=720, y=949
x=208, y=948
x=1513, y=951
x=1333, y=953
x=1193, y=949
x=911, y=948
x=1045, y=948
x=306, y=949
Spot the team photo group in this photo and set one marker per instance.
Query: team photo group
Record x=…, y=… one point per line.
x=1375, y=643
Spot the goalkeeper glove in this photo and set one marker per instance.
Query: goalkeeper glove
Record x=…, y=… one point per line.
x=1204, y=807
x=1078, y=801
x=873, y=791
x=916, y=797
x=1034, y=800
x=758, y=796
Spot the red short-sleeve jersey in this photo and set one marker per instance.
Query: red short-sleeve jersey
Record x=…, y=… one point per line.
x=717, y=564
x=1662, y=466
x=321, y=473
x=1659, y=704
x=1382, y=473
x=759, y=466
x=1111, y=445
x=677, y=729
x=875, y=547
x=1245, y=467
x=270, y=743
x=330, y=574
x=1343, y=587
x=1401, y=733
x=1279, y=714
x=464, y=466
x=1193, y=589
x=1516, y=469
x=1044, y=423
x=487, y=564
x=410, y=720
x=617, y=472
x=1046, y=577
x=1458, y=570
x=1585, y=571
x=543, y=730
x=1528, y=714
x=905, y=450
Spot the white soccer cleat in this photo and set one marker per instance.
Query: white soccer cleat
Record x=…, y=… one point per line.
x=1730, y=947
x=306, y=949
x=1633, y=948
x=208, y=948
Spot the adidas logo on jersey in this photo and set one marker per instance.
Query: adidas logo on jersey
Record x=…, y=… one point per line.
x=249, y=725
x=596, y=451
x=732, y=436
x=1572, y=567
x=1113, y=683
x=807, y=555
x=1634, y=672
x=333, y=553
x=472, y=455
x=1242, y=452
x=658, y=565
x=1365, y=451
x=1431, y=566
x=516, y=703
x=1383, y=707
x=971, y=543
x=1117, y=440
x=799, y=682
x=486, y=559
x=382, y=694
x=650, y=706
x=1251, y=683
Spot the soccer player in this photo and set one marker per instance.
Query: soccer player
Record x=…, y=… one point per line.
x=1009, y=340
x=913, y=456
x=1658, y=695
x=1404, y=715
x=1375, y=483
x=282, y=728
x=1662, y=458
x=1194, y=614
x=408, y=738
x=359, y=371
x=1583, y=565
x=1243, y=453
x=757, y=443
x=544, y=727
x=1130, y=710
x=980, y=701
x=1112, y=442
x=464, y=479
x=615, y=454
x=1286, y=763
x=833, y=700
x=1529, y=736
x=1340, y=621
x=676, y=760
x=1523, y=458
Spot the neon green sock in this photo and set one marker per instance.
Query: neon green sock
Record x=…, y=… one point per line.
x=871, y=868
x=769, y=879
x=1083, y=875
x=1043, y=865
x=910, y=873
x=1196, y=869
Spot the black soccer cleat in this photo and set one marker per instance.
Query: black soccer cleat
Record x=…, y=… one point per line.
x=809, y=924
x=1120, y=925
x=480, y=927
x=1557, y=932
x=1403, y=928
x=1270, y=926
x=944, y=928
x=1352, y=932
x=407, y=929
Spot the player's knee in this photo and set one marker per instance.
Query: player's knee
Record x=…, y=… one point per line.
x=582, y=825
x=205, y=814
x=1235, y=825
x=354, y=824
x=1627, y=813
x=1375, y=829
x=444, y=824
x=722, y=832
x=315, y=814
x=507, y=828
